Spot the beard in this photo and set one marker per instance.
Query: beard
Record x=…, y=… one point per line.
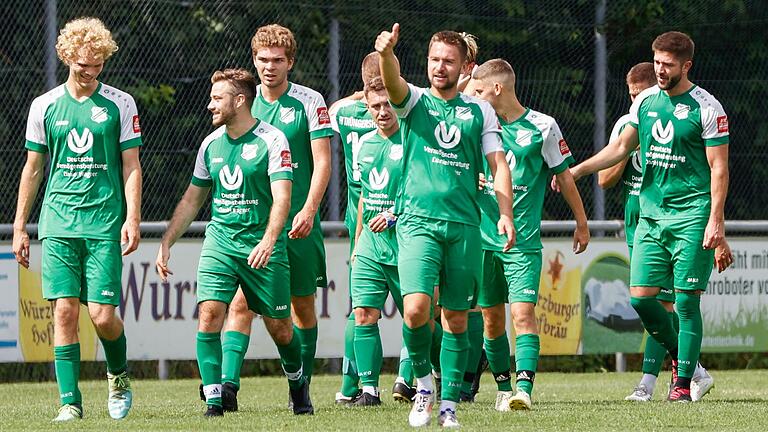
x=672, y=82
x=225, y=117
x=448, y=84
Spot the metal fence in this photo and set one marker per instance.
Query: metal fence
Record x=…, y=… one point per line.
x=570, y=56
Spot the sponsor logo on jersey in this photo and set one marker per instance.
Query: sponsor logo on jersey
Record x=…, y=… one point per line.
x=62, y=123
x=396, y=152
x=722, y=124
x=464, y=113
x=511, y=160
x=79, y=143
x=378, y=179
x=564, y=150
x=447, y=137
x=249, y=151
x=681, y=111
x=136, y=126
x=217, y=160
x=322, y=116
x=231, y=180
x=663, y=134
x=433, y=113
x=524, y=137
x=285, y=159
x=99, y=114
x=287, y=114
x=636, y=162
x=653, y=114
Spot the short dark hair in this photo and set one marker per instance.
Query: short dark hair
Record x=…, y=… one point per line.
x=449, y=37
x=642, y=73
x=241, y=80
x=677, y=43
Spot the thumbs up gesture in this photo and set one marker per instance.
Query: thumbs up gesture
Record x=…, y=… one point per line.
x=386, y=41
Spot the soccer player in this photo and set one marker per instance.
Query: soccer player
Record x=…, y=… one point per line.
x=682, y=131
x=445, y=135
x=300, y=113
x=640, y=77
x=92, y=205
x=374, y=268
x=535, y=148
x=351, y=120
x=247, y=164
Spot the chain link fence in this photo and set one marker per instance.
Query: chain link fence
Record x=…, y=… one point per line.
x=169, y=48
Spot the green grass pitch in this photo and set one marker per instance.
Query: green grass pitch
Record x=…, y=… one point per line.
x=583, y=402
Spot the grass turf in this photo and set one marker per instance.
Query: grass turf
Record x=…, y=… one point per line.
x=586, y=402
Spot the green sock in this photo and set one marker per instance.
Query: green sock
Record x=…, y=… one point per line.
x=209, y=363
x=368, y=353
x=349, y=378
x=406, y=370
x=526, y=360
x=116, y=353
x=290, y=360
x=67, y=361
x=497, y=350
x=418, y=342
x=656, y=322
x=453, y=362
x=691, y=332
x=308, y=339
x=437, y=341
x=653, y=356
x=475, y=336
x=233, y=349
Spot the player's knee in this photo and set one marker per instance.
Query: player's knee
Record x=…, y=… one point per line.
x=239, y=306
x=102, y=316
x=454, y=321
x=366, y=316
x=281, y=331
x=210, y=318
x=66, y=312
x=525, y=324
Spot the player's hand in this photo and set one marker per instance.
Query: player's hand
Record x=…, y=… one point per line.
x=129, y=236
x=507, y=228
x=723, y=256
x=260, y=255
x=386, y=41
x=482, y=182
x=21, y=246
x=302, y=225
x=553, y=184
x=714, y=233
x=378, y=223
x=580, y=238
x=353, y=256
x=161, y=263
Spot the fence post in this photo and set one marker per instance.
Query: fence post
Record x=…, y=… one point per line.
x=162, y=369
x=601, y=76
x=51, y=60
x=334, y=185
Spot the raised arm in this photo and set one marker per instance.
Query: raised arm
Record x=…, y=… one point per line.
x=397, y=87
x=31, y=177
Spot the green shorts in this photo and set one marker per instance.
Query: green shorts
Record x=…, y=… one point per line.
x=88, y=269
x=429, y=248
x=307, y=260
x=671, y=250
x=511, y=277
x=667, y=293
x=265, y=289
x=372, y=282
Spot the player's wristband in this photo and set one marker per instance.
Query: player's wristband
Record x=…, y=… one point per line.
x=389, y=217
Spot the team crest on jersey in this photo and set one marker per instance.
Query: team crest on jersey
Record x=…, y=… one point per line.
x=663, y=134
x=396, y=152
x=249, y=151
x=378, y=179
x=464, y=113
x=681, y=111
x=722, y=124
x=99, y=114
x=447, y=137
x=524, y=137
x=231, y=180
x=79, y=143
x=287, y=114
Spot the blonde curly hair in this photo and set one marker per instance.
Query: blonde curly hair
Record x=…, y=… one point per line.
x=89, y=34
x=274, y=35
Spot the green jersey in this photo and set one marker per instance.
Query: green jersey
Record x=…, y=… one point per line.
x=300, y=113
x=535, y=149
x=240, y=172
x=84, y=197
x=444, y=143
x=631, y=178
x=674, y=133
x=380, y=164
x=351, y=120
